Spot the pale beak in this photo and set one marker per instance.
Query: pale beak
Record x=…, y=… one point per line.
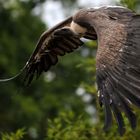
x=77, y=29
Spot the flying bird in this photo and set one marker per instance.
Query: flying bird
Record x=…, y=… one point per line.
x=117, y=30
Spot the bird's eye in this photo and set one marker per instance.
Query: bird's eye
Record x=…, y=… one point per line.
x=113, y=17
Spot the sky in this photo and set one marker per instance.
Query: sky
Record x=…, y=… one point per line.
x=87, y=3
x=52, y=15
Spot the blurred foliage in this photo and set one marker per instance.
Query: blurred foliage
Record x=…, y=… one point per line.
x=49, y=109
x=131, y=4
x=66, y=127
x=18, y=135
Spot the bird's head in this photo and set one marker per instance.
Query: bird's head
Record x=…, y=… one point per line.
x=73, y=30
x=92, y=20
x=89, y=23
x=81, y=26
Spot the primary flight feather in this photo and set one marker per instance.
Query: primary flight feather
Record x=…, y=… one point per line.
x=117, y=30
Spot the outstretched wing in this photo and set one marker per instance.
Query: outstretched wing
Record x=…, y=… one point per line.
x=119, y=83
x=53, y=43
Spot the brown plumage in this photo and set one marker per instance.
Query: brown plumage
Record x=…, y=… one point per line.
x=117, y=30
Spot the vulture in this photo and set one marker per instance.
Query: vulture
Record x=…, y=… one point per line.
x=117, y=31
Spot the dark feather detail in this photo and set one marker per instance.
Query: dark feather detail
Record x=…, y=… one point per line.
x=41, y=58
x=125, y=90
x=108, y=113
x=45, y=62
x=66, y=49
x=128, y=112
x=105, y=100
x=62, y=41
x=59, y=51
x=91, y=35
x=119, y=119
x=122, y=103
x=53, y=58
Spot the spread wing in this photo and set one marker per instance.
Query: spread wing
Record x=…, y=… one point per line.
x=119, y=83
x=53, y=43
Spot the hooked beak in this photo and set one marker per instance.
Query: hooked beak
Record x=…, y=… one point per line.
x=83, y=32
x=77, y=29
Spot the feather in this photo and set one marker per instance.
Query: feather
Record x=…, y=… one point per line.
x=53, y=58
x=58, y=51
x=104, y=98
x=65, y=47
x=123, y=104
x=128, y=112
x=38, y=63
x=124, y=89
x=108, y=113
x=119, y=119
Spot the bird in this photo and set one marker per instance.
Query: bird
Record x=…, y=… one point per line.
x=117, y=31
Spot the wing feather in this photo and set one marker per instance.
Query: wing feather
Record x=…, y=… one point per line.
x=104, y=99
x=46, y=36
x=128, y=111
x=44, y=59
x=122, y=78
x=119, y=118
x=55, y=42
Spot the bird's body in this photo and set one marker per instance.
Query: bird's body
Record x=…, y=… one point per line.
x=117, y=30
